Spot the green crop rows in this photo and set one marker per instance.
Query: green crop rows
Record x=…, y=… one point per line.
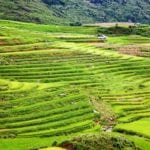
x=51, y=78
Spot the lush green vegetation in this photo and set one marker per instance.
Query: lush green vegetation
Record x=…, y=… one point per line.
x=59, y=82
x=75, y=12
x=119, y=30
x=97, y=142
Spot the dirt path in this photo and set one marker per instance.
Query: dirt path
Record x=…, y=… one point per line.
x=107, y=116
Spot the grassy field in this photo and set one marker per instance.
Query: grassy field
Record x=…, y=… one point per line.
x=58, y=82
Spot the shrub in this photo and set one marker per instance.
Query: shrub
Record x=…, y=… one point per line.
x=131, y=30
x=98, y=142
x=76, y=24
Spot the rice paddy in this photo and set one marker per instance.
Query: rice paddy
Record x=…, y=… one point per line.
x=56, y=84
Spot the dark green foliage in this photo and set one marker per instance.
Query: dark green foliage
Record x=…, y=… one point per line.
x=99, y=142
x=53, y=2
x=118, y=30
x=131, y=30
x=64, y=12
x=76, y=24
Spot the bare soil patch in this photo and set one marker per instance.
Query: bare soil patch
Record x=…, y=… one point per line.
x=2, y=42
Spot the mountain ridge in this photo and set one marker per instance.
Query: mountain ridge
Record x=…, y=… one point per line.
x=68, y=11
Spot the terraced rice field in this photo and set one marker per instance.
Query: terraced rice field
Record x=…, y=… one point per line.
x=55, y=84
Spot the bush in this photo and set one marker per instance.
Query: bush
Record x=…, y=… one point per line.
x=76, y=24
x=98, y=142
x=131, y=30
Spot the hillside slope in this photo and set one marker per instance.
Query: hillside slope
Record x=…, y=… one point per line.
x=60, y=82
x=66, y=11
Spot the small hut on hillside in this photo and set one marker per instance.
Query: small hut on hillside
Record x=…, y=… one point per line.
x=102, y=37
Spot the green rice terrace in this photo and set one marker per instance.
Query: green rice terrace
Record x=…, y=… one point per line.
x=60, y=83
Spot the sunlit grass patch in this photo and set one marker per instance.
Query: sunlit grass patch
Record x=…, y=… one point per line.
x=140, y=127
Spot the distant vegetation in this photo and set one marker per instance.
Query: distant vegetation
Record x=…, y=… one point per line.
x=76, y=24
x=131, y=30
x=66, y=11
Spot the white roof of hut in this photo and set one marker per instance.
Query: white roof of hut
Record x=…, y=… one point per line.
x=102, y=37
